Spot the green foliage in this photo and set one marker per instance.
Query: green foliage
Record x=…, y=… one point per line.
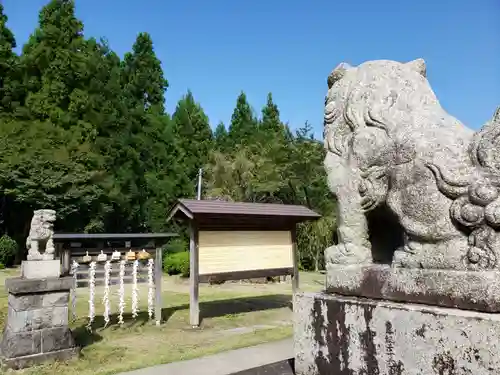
x=313, y=239
x=220, y=137
x=243, y=127
x=270, y=125
x=177, y=245
x=142, y=76
x=193, y=130
x=87, y=133
x=177, y=263
x=8, y=251
x=9, y=69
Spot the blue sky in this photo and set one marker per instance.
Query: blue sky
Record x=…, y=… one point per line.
x=218, y=48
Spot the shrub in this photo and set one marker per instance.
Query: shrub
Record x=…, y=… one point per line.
x=8, y=250
x=177, y=263
x=177, y=245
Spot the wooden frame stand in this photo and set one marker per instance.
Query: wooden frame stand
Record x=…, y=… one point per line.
x=235, y=241
x=73, y=246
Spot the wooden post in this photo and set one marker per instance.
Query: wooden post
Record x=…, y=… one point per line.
x=194, y=307
x=295, y=278
x=158, y=279
x=65, y=261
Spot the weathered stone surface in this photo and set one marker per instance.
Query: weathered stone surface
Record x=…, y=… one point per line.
x=469, y=290
x=39, y=243
x=18, y=285
x=55, y=299
x=37, y=329
x=414, y=186
x=349, y=336
x=17, y=344
x=20, y=302
x=37, y=300
x=40, y=269
x=45, y=317
x=31, y=360
x=57, y=338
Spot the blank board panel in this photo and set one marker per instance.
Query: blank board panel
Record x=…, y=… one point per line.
x=233, y=251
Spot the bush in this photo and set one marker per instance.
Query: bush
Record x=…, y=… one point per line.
x=8, y=250
x=177, y=263
x=177, y=245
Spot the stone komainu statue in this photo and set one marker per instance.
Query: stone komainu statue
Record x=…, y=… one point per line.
x=40, y=235
x=414, y=186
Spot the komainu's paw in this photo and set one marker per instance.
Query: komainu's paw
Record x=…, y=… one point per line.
x=348, y=254
x=405, y=258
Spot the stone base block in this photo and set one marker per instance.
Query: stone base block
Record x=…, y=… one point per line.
x=19, y=344
x=18, y=285
x=31, y=360
x=350, y=336
x=468, y=290
x=40, y=269
x=37, y=329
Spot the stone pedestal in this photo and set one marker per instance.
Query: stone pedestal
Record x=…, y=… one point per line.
x=37, y=323
x=40, y=269
x=337, y=335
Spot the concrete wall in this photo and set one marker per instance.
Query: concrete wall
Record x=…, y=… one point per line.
x=348, y=336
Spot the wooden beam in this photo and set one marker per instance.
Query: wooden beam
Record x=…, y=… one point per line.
x=194, y=307
x=242, y=275
x=295, y=279
x=158, y=281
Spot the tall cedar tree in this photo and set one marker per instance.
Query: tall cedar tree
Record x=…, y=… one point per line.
x=109, y=115
x=220, y=137
x=147, y=138
x=270, y=125
x=55, y=80
x=195, y=136
x=143, y=78
x=9, y=90
x=55, y=66
x=243, y=128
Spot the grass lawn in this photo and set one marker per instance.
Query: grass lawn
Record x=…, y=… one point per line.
x=234, y=315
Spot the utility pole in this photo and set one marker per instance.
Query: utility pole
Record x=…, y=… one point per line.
x=200, y=172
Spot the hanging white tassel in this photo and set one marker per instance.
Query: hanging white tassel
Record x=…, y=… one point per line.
x=74, y=270
x=91, y=295
x=150, y=288
x=121, y=304
x=105, y=298
x=135, y=290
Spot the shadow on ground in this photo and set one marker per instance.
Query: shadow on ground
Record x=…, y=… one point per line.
x=209, y=309
x=83, y=337
x=279, y=368
x=218, y=308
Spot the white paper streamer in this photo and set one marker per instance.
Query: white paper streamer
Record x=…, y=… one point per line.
x=74, y=270
x=121, y=292
x=105, y=298
x=91, y=295
x=135, y=290
x=151, y=285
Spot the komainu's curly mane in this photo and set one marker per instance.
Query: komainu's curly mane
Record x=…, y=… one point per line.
x=386, y=133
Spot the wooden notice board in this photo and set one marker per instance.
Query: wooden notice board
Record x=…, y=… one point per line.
x=224, y=252
x=237, y=240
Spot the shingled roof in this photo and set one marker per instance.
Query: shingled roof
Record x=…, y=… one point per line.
x=195, y=209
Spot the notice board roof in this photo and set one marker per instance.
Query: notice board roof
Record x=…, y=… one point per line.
x=74, y=241
x=110, y=236
x=239, y=213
